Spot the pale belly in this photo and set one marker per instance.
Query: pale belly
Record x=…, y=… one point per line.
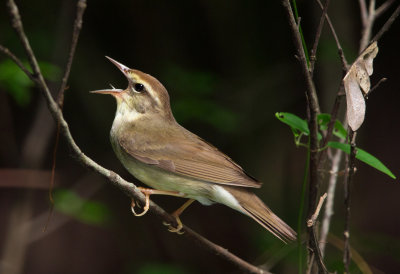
x=157, y=178
x=160, y=179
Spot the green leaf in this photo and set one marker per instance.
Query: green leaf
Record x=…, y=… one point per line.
x=363, y=156
x=338, y=130
x=90, y=212
x=297, y=124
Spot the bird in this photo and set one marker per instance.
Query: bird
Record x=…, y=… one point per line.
x=171, y=160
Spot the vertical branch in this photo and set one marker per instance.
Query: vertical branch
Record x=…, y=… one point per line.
x=371, y=16
x=313, y=110
x=347, y=198
x=367, y=27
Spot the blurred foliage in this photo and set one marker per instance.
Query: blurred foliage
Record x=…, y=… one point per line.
x=193, y=100
x=89, y=212
x=14, y=80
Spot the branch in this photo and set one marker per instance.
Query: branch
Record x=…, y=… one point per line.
x=80, y=9
x=379, y=11
x=313, y=110
x=387, y=25
x=326, y=221
x=340, y=50
x=18, y=62
x=349, y=179
x=313, y=219
x=313, y=56
x=128, y=188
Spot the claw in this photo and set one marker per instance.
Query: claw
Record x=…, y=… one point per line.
x=146, y=206
x=177, y=229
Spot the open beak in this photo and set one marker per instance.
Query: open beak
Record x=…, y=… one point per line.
x=124, y=69
x=114, y=91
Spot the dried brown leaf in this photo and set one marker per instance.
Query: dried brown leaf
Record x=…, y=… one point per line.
x=356, y=82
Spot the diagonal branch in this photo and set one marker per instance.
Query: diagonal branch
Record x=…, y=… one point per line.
x=17, y=61
x=128, y=188
x=338, y=45
x=387, y=25
x=379, y=11
x=80, y=9
x=313, y=56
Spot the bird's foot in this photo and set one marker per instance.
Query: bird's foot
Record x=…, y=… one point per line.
x=147, y=192
x=178, y=228
x=176, y=214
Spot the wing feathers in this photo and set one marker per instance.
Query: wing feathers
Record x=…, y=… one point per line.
x=190, y=157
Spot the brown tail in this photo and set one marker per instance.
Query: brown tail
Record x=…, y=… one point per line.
x=257, y=210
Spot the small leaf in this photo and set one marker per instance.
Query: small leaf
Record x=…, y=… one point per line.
x=295, y=122
x=338, y=129
x=363, y=156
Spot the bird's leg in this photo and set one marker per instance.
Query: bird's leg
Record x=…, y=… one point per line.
x=176, y=215
x=147, y=192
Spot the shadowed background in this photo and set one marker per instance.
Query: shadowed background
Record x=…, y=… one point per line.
x=228, y=67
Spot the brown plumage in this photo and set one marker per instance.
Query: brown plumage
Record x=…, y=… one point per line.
x=164, y=155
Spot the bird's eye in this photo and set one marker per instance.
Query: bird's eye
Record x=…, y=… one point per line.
x=139, y=87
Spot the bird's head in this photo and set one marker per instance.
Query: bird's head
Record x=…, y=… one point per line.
x=145, y=95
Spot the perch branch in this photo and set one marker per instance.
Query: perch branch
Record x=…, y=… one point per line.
x=128, y=188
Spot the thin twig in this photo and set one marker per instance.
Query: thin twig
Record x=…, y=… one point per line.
x=331, y=125
x=128, y=188
x=18, y=62
x=328, y=213
x=363, y=11
x=367, y=27
x=16, y=23
x=387, y=25
x=313, y=56
x=311, y=221
x=313, y=110
x=379, y=11
x=80, y=9
x=347, y=198
x=383, y=80
x=338, y=45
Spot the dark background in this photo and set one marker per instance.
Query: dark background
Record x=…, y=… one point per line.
x=228, y=66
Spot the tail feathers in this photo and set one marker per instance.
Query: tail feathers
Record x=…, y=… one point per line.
x=256, y=209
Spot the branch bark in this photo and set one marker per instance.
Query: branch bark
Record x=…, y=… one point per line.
x=313, y=111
